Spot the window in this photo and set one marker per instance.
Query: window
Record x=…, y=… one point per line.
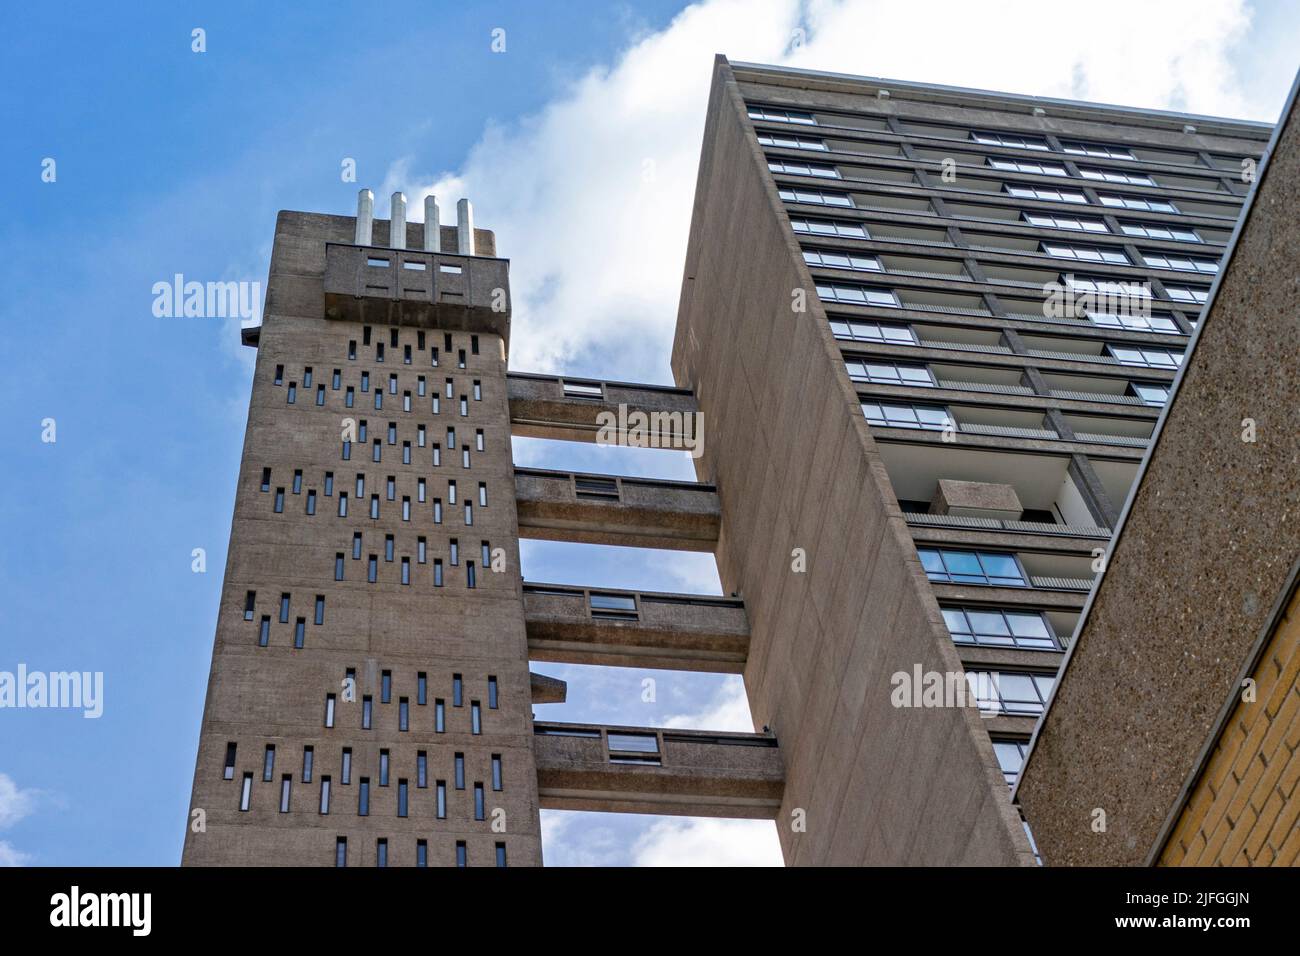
x=1161, y=260
x=1020, y=166
x=356, y=546
x=250, y=598
x=613, y=606
x=440, y=716
x=492, y=692
x=404, y=714
x=437, y=572
x=1145, y=355
x=471, y=580
x=473, y=344
x=363, y=798
x=1114, y=256
x=324, y=795
x=462, y=857
x=346, y=772
x=478, y=439
x=279, y=501
x=818, y=197
x=311, y=501
x=1139, y=203
x=284, y=609
x=422, y=769
x=455, y=560
x=972, y=567
x=293, y=393
x=1116, y=176
x=286, y=790
x=1011, y=757
x=440, y=800
x=246, y=793
x=496, y=772
x=475, y=717
x=884, y=332
x=464, y=456
x=406, y=570
x=889, y=373
x=1113, y=288
x=228, y=771
x=460, y=361
x=367, y=711
x=487, y=554
x=1045, y=195
x=501, y=855
x=406, y=350
x=829, y=227
x=299, y=632
x=1010, y=693
x=1155, y=322
x=856, y=294
x=890, y=415
x=1151, y=394
x=329, y=710
x=264, y=631
x=1152, y=231
x=406, y=453
x=460, y=771
x=329, y=483
x=347, y=451
x=839, y=260
x=279, y=375
x=401, y=798
x=381, y=852
x=1096, y=149
x=1193, y=294
x=266, y=479
x=478, y=390
x=376, y=451
x=343, y=504
x=1009, y=139
x=320, y=394
x=998, y=627
x=786, y=141
x=421, y=853
x=457, y=689
x=480, y=804
x=307, y=759
x=1065, y=222
x=774, y=115
x=792, y=167
x=482, y=498
x=379, y=351
x=306, y=377
x=437, y=454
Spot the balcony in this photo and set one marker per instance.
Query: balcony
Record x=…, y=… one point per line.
x=612, y=510
x=645, y=770
x=424, y=289
x=691, y=632
x=575, y=409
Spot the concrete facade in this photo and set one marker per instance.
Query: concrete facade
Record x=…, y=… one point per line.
x=1198, y=597
x=892, y=269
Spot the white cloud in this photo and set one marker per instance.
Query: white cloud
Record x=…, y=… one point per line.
x=728, y=710
x=591, y=197
x=12, y=857
x=15, y=803
x=693, y=842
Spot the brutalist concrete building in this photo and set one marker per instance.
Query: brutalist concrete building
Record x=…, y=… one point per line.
x=930, y=331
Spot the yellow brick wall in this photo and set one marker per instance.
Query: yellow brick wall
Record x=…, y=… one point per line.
x=1243, y=811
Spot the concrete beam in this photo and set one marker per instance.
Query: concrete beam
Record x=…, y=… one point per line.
x=645, y=770
x=689, y=632
x=556, y=407
x=609, y=509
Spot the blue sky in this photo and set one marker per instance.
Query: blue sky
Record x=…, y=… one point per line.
x=578, y=145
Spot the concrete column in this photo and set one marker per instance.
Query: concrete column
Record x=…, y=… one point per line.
x=464, y=228
x=1093, y=491
x=397, y=222
x=365, y=217
x=432, y=225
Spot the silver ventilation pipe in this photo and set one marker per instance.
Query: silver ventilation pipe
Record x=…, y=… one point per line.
x=397, y=222
x=464, y=228
x=432, y=225
x=365, y=217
